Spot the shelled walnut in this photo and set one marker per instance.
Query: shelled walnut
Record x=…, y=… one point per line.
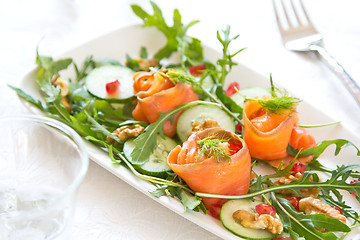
x=249, y=219
x=310, y=192
x=208, y=123
x=312, y=205
x=60, y=83
x=126, y=132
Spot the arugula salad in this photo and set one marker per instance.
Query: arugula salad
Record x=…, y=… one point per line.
x=173, y=124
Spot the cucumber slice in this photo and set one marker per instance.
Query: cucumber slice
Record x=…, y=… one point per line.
x=208, y=83
x=200, y=113
x=157, y=164
x=250, y=92
x=97, y=79
x=230, y=224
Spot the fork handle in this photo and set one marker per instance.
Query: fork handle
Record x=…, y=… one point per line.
x=348, y=81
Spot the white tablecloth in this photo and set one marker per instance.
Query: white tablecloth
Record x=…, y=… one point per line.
x=108, y=208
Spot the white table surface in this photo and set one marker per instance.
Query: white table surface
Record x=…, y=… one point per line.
x=108, y=208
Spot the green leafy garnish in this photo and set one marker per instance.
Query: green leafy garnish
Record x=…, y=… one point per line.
x=210, y=147
x=177, y=40
x=279, y=101
x=277, y=104
x=226, y=63
x=132, y=63
x=28, y=98
x=227, y=101
x=321, y=147
x=223, y=65
x=188, y=200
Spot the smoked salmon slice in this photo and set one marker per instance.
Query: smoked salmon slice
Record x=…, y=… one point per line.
x=301, y=139
x=267, y=134
x=158, y=94
x=206, y=174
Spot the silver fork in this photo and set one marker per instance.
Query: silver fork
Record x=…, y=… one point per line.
x=300, y=35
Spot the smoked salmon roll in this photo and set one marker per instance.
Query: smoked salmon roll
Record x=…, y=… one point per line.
x=267, y=135
x=158, y=94
x=206, y=173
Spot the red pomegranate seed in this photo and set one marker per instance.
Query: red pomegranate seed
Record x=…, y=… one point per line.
x=264, y=208
x=231, y=89
x=239, y=128
x=197, y=70
x=298, y=167
x=337, y=208
x=295, y=202
x=112, y=87
x=354, y=181
x=282, y=238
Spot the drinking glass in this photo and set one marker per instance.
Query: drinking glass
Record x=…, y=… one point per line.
x=42, y=163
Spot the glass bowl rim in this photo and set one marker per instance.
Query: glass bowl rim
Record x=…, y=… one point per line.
x=71, y=134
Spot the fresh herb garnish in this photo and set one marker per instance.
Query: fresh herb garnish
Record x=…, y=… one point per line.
x=226, y=63
x=278, y=104
x=177, y=39
x=223, y=65
x=212, y=147
x=280, y=100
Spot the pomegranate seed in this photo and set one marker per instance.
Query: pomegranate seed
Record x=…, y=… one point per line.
x=231, y=89
x=239, y=128
x=197, y=70
x=282, y=238
x=339, y=209
x=298, y=167
x=295, y=202
x=264, y=208
x=354, y=181
x=112, y=87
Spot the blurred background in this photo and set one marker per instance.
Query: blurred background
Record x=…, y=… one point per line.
x=60, y=25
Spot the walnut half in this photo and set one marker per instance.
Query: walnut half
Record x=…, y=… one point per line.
x=60, y=83
x=310, y=192
x=126, y=132
x=208, y=123
x=312, y=205
x=249, y=219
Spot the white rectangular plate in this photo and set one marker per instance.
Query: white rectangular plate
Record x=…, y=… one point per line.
x=128, y=40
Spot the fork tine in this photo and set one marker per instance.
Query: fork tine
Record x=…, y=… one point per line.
x=305, y=13
x=277, y=17
x=295, y=12
x=286, y=14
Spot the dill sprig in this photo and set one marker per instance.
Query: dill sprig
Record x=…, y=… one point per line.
x=210, y=147
x=277, y=104
x=280, y=100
